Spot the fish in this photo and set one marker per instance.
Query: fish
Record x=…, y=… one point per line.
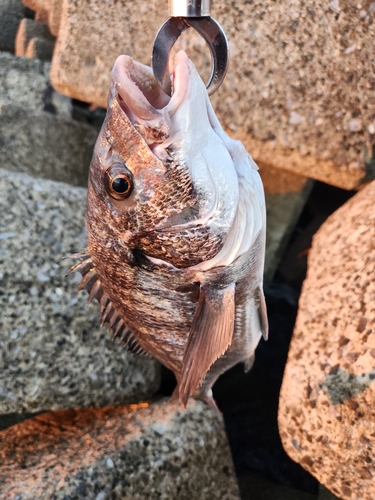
x=175, y=224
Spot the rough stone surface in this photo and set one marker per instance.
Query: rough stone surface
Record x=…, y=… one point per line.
x=300, y=85
x=26, y=82
x=41, y=144
x=286, y=195
x=157, y=452
x=11, y=13
x=53, y=353
x=49, y=11
x=327, y=402
x=34, y=40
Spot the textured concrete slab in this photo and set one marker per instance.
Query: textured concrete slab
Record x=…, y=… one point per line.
x=42, y=144
x=11, y=13
x=327, y=400
x=53, y=352
x=299, y=87
x=25, y=82
x=34, y=40
x=136, y=452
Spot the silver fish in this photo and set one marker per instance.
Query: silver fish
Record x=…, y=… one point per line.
x=176, y=229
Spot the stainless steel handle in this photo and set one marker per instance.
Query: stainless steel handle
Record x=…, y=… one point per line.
x=190, y=8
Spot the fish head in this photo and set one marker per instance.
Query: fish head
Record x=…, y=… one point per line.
x=161, y=180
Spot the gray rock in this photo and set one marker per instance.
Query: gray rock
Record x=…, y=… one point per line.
x=11, y=13
x=45, y=145
x=40, y=48
x=34, y=40
x=53, y=353
x=160, y=452
x=26, y=82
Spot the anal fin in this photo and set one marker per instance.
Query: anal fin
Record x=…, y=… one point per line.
x=210, y=336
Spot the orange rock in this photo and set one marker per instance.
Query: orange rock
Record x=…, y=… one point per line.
x=327, y=400
x=300, y=83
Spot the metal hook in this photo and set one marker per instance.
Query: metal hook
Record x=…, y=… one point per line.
x=186, y=14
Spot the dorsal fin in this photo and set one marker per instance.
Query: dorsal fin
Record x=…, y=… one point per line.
x=91, y=283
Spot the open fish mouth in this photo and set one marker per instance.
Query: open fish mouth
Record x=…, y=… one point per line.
x=143, y=101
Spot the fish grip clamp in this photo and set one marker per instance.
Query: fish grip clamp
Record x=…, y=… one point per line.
x=183, y=15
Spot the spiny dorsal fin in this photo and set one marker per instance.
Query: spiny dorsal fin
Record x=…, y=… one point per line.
x=91, y=283
x=210, y=336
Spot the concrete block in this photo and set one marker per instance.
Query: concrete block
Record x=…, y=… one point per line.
x=11, y=13
x=138, y=452
x=34, y=40
x=53, y=352
x=45, y=145
x=327, y=399
x=300, y=85
x=40, y=48
x=25, y=82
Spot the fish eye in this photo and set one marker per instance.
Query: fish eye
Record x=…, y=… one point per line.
x=118, y=181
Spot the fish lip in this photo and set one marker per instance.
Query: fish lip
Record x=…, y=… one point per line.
x=140, y=96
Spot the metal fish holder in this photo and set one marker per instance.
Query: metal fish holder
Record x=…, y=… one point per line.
x=183, y=15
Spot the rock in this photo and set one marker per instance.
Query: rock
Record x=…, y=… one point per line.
x=299, y=90
x=155, y=452
x=11, y=13
x=53, y=352
x=45, y=145
x=34, y=40
x=25, y=82
x=40, y=48
x=286, y=195
x=49, y=11
x=327, y=401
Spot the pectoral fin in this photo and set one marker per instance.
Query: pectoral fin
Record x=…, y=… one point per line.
x=262, y=311
x=210, y=336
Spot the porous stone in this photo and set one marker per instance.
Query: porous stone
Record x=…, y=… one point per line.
x=25, y=82
x=45, y=145
x=34, y=40
x=136, y=452
x=11, y=13
x=327, y=401
x=300, y=86
x=40, y=48
x=53, y=352
x=48, y=11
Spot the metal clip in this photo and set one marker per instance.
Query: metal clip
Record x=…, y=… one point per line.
x=185, y=14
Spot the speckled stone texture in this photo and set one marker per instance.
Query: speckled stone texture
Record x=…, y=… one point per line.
x=157, y=452
x=300, y=86
x=327, y=402
x=53, y=352
x=37, y=134
x=32, y=35
x=11, y=13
